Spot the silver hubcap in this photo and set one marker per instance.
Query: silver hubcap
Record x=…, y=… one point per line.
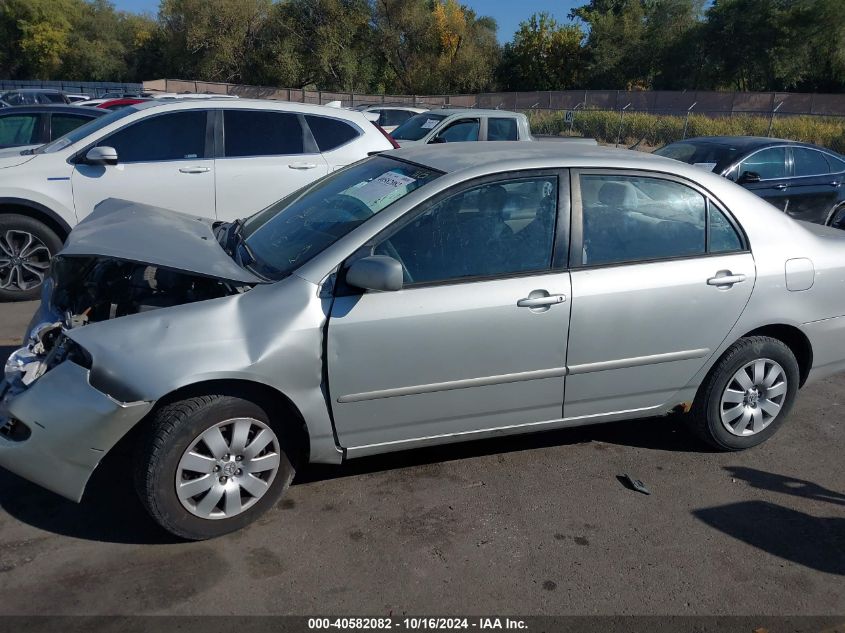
x=227, y=468
x=24, y=260
x=753, y=397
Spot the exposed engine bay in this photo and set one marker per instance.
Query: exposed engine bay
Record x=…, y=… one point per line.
x=90, y=289
x=84, y=290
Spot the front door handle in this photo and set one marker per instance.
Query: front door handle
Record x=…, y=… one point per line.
x=725, y=278
x=302, y=165
x=780, y=186
x=539, y=302
x=194, y=170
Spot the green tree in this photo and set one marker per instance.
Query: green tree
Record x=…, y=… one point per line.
x=543, y=55
x=35, y=36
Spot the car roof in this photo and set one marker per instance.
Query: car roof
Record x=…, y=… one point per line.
x=251, y=104
x=32, y=90
x=53, y=107
x=471, y=111
x=507, y=155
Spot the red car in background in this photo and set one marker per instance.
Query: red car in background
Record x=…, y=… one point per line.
x=117, y=104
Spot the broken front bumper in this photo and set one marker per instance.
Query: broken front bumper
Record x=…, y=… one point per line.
x=55, y=432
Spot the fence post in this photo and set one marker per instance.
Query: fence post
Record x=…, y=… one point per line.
x=621, y=117
x=686, y=119
x=572, y=121
x=772, y=118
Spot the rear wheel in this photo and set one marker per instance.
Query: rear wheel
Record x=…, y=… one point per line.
x=747, y=395
x=26, y=246
x=211, y=465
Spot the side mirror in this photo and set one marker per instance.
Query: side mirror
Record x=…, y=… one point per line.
x=376, y=272
x=101, y=156
x=749, y=177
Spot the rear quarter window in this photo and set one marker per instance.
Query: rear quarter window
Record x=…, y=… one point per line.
x=331, y=133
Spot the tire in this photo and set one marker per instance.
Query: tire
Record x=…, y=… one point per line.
x=26, y=247
x=837, y=217
x=713, y=411
x=164, y=462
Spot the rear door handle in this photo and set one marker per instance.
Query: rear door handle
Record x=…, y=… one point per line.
x=539, y=302
x=725, y=278
x=834, y=183
x=302, y=165
x=194, y=170
x=780, y=186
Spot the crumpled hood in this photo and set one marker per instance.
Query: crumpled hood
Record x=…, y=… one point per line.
x=12, y=156
x=150, y=235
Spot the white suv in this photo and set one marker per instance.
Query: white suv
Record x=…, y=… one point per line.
x=221, y=159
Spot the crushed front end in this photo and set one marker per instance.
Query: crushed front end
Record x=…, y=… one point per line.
x=60, y=412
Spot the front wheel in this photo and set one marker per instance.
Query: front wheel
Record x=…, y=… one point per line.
x=26, y=246
x=747, y=395
x=211, y=465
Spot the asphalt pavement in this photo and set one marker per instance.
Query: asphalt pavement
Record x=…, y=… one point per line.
x=537, y=524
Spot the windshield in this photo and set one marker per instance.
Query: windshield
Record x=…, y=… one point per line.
x=417, y=126
x=288, y=233
x=85, y=130
x=703, y=154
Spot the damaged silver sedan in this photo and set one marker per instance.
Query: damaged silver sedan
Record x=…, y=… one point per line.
x=426, y=296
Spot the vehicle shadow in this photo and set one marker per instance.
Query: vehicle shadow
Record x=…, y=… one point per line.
x=111, y=512
x=786, y=485
x=816, y=543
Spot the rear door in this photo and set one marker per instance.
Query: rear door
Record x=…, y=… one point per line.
x=164, y=160
x=265, y=155
x=771, y=165
x=476, y=339
x=648, y=306
x=337, y=140
x=813, y=190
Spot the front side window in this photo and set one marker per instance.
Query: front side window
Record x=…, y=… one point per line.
x=501, y=129
x=633, y=218
x=460, y=131
x=494, y=229
x=767, y=163
x=261, y=133
x=330, y=133
x=19, y=129
x=808, y=162
x=171, y=136
x=288, y=233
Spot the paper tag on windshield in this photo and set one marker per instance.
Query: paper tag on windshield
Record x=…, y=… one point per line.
x=381, y=191
x=429, y=124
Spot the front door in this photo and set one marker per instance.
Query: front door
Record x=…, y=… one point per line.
x=476, y=339
x=771, y=166
x=163, y=161
x=663, y=277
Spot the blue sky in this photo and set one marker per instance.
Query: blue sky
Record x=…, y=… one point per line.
x=508, y=13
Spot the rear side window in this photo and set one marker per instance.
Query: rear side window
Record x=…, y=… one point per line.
x=723, y=237
x=261, y=133
x=499, y=129
x=61, y=124
x=634, y=218
x=836, y=164
x=21, y=129
x=330, y=133
x=394, y=117
x=768, y=163
x=52, y=97
x=808, y=162
x=172, y=136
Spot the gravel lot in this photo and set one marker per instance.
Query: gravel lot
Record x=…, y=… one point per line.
x=537, y=524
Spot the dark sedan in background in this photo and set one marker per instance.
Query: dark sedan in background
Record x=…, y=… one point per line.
x=805, y=181
x=39, y=124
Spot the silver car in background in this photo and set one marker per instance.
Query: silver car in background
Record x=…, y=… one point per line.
x=419, y=297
